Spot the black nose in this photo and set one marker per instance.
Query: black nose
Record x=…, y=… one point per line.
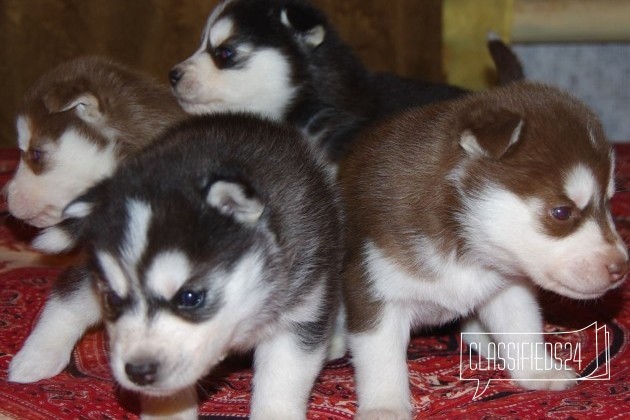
x=175, y=75
x=142, y=372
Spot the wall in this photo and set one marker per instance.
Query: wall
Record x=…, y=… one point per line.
x=402, y=36
x=596, y=73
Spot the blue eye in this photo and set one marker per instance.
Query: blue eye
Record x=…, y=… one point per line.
x=190, y=299
x=561, y=213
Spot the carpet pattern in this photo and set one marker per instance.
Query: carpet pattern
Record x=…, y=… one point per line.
x=86, y=390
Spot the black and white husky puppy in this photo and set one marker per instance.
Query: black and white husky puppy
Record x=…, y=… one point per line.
x=283, y=59
x=223, y=237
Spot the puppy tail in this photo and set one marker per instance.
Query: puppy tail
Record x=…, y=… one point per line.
x=509, y=67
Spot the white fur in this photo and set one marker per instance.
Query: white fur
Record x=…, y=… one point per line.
x=312, y=37
x=77, y=210
x=116, y=277
x=53, y=240
x=446, y=288
x=139, y=215
x=580, y=186
x=450, y=288
x=220, y=31
x=206, y=89
x=506, y=233
x=180, y=406
x=168, y=272
x=187, y=350
x=76, y=164
x=610, y=190
x=23, y=126
x=60, y=326
x=469, y=143
x=86, y=107
x=591, y=135
x=216, y=12
x=283, y=379
x=380, y=360
x=519, y=301
x=230, y=199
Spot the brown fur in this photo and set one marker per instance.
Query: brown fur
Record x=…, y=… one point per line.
x=127, y=103
x=394, y=182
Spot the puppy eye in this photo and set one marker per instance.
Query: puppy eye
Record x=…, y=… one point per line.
x=562, y=213
x=224, y=53
x=35, y=155
x=113, y=301
x=190, y=299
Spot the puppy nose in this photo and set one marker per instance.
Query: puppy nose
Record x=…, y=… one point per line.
x=175, y=75
x=618, y=270
x=142, y=372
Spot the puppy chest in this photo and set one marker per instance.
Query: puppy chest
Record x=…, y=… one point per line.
x=441, y=290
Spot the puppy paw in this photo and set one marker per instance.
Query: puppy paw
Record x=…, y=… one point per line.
x=338, y=348
x=383, y=414
x=188, y=415
x=276, y=414
x=551, y=380
x=33, y=363
x=182, y=405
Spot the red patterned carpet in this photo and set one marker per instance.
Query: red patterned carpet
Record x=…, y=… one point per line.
x=86, y=390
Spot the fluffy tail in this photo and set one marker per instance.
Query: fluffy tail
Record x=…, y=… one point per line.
x=509, y=67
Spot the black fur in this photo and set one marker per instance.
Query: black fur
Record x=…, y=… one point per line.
x=336, y=95
x=298, y=232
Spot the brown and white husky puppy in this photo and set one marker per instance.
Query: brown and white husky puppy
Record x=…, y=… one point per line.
x=75, y=124
x=461, y=210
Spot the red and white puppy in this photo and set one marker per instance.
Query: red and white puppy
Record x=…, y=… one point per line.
x=75, y=124
x=462, y=209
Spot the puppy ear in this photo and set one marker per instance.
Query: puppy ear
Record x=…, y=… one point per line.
x=76, y=98
x=65, y=235
x=232, y=199
x=490, y=133
x=306, y=22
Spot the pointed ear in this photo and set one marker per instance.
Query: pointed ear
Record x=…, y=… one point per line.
x=490, y=132
x=76, y=98
x=306, y=22
x=65, y=235
x=231, y=199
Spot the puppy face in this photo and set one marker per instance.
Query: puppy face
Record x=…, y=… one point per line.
x=170, y=327
x=243, y=62
x=74, y=125
x=541, y=209
x=57, y=165
x=180, y=280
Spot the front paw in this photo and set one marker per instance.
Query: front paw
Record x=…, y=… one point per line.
x=180, y=406
x=552, y=379
x=190, y=414
x=34, y=363
x=383, y=414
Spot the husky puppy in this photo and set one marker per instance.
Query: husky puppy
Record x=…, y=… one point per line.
x=74, y=125
x=222, y=237
x=460, y=210
x=283, y=59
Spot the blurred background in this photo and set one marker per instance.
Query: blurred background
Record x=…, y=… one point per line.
x=580, y=45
